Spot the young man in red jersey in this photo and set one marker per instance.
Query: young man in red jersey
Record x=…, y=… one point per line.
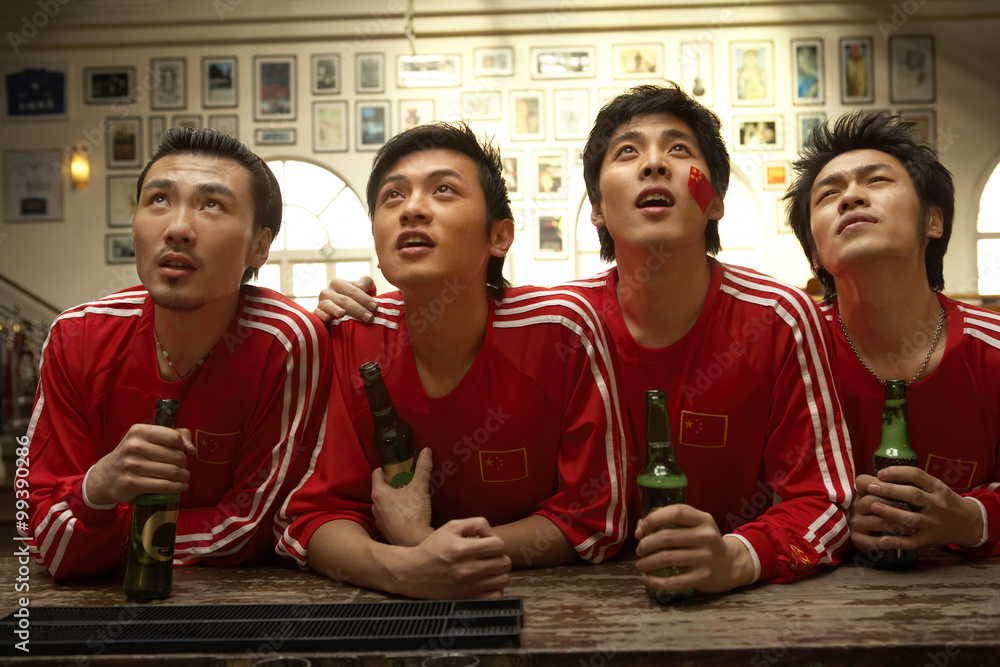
x=249, y=368
x=873, y=210
x=754, y=414
x=509, y=392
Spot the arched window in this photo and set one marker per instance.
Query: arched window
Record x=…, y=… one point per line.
x=988, y=245
x=324, y=234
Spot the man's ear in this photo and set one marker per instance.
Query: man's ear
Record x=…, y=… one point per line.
x=260, y=249
x=597, y=214
x=935, y=222
x=501, y=236
x=716, y=208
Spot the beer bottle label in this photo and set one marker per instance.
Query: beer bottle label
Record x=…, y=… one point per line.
x=158, y=533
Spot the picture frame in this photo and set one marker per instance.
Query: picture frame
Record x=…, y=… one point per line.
x=638, y=61
x=157, y=126
x=775, y=174
x=369, y=73
x=857, y=82
x=752, y=67
x=912, y=68
x=563, y=62
x=413, y=113
x=550, y=234
x=121, y=199
x=527, y=115
x=33, y=185
x=169, y=82
x=480, y=104
x=924, y=125
x=228, y=123
x=119, y=249
x=274, y=88
x=571, y=114
x=35, y=92
x=493, y=61
x=274, y=136
x=808, y=77
x=124, y=142
x=551, y=174
x=434, y=71
x=513, y=172
x=760, y=133
x=326, y=73
x=697, y=74
x=330, y=126
x=372, y=124
x=191, y=120
x=219, y=82
x=108, y=85
x=805, y=122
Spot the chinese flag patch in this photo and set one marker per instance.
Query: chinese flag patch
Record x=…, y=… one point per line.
x=503, y=466
x=701, y=430
x=955, y=473
x=216, y=447
x=701, y=189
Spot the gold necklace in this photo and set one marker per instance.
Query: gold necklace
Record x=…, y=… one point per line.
x=937, y=335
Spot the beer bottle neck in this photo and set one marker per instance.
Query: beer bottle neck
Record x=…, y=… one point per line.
x=659, y=440
x=378, y=399
x=895, y=443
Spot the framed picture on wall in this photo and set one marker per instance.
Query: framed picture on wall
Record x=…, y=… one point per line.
x=696, y=71
x=124, y=141
x=638, y=61
x=428, y=71
x=759, y=133
x=107, y=85
x=325, y=73
x=35, y=92
x=550, y=237
x=228, y=123
x=776, y=174
x=527, y=117
x=924, y=129
x=512, y=162
x=805, y=122
x=169, y=79
x=373, y=124
x=551, y=174
x=119, y=249
x=807, y=71
x=189, y=120
x=480, y=105
x=121, y=199
x=911, y=68
x=33, y=185
x=274, y=87
x=563, y=62
x=857, y=83
x=369, y=73
x=330, y=126
x=494, y=61
x=571, y=113
x=752, y=68
x=414, y=112
x=218, y=82
x=157, y=126
x=274, y=136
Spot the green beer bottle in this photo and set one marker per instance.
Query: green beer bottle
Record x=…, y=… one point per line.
x=392, y=437
x=894, y=450
x=150, y=570
x=662, y=482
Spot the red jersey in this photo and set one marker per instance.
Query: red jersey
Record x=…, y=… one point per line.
x=255, y=410
x=754, y=415
x=953, y=414
x=532, y=428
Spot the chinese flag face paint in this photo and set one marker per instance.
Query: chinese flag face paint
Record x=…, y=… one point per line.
x=701, y=189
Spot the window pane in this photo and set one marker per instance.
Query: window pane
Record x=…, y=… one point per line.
x=310, y=186
x=352, y=270
x=989, y=210
x=308, y=279
x=988, y=251
x=278, y=169
x=347, y=222
x=303, y=230
x=309, y=303
x=269, y=276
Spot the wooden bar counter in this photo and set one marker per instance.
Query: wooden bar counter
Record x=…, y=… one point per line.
x=944, y=612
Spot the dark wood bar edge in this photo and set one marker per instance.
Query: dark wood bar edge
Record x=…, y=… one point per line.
x=946, y=612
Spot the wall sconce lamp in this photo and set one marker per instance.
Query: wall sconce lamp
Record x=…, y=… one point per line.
x=79, y=167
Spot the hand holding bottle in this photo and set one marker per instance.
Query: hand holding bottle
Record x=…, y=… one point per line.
x=403, y=515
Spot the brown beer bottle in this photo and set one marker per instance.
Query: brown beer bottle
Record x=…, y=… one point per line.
x=894, y=450
x=150, y=570
x=392, y=437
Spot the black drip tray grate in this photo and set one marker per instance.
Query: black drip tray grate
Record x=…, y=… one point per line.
x=374, y=626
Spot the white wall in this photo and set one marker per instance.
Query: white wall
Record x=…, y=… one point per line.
x=64, y=261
